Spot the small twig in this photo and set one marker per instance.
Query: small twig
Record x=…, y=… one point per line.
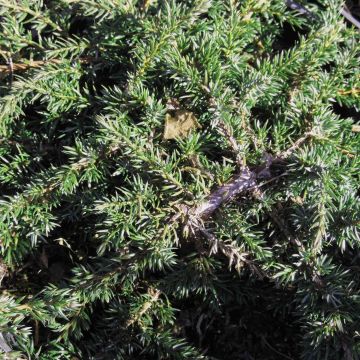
x=233, y=255
x=354, y=91
x=347, y=14
x=293, y=239
x=224, y=129
x=294, y=5
x=283, y=227
x=10, y=68
x=231, y=252
x=154, y=296
x=3, y=344
x=36, y=335
x=300, y=9
x=295, y=145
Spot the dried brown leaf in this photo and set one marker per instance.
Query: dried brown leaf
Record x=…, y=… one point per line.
x=355, y=128
x=180, y=125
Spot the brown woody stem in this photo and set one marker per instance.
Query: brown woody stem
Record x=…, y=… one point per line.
x=243, y=181
x=6, y=69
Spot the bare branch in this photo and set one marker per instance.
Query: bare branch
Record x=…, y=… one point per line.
x=347, y=14
x=13, y=67
x=226, y=132
x=240, y=183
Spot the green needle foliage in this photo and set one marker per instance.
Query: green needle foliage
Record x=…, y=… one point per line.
x=237, y=239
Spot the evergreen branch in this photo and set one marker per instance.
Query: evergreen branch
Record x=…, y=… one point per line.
x=15, y=6
x=230, y=251
x=134, y=226
x=165, y=35
x=103, y=9
x=244, y=181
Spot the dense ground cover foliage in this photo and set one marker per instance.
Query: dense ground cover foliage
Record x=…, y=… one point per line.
x=179, y=180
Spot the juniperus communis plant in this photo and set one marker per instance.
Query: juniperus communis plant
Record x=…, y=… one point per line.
x=179, y=180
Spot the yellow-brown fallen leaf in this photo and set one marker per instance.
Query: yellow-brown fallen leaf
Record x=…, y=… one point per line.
x=355, y=128
x=180, y=125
